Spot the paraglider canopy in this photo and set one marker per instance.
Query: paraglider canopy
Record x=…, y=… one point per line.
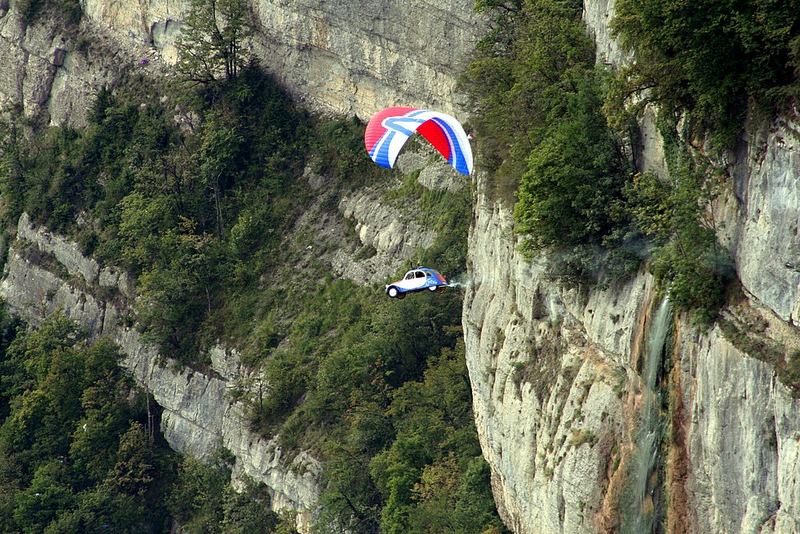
x=389, y=129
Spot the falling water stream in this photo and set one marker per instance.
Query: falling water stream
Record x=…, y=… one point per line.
x=640, y=504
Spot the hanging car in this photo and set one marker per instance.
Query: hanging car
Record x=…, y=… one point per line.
x=417, y=279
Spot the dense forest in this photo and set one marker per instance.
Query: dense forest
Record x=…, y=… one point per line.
x=80, y=449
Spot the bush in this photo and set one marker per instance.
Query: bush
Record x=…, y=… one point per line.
x=574, y=176
x=687, y=259
x=709, y=57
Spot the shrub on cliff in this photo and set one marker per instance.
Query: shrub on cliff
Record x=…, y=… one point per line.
x=542, y=135
x=709, y=57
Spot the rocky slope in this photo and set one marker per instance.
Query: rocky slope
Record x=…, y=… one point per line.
x=557, y=376
x=340, y=57
x=205, y=409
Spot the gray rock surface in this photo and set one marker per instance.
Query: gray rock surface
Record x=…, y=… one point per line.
x=743, y=437
x=53, y=73
x=758, y=216
x=392, y=236
x=731, y=460
x=357, y=57
x=337, y=57
x=548, y=371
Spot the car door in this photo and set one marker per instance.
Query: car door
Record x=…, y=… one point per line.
x=430, y=279
x=408, y=282
x=419, y=280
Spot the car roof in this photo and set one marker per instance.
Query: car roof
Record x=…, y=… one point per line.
x=426, y=269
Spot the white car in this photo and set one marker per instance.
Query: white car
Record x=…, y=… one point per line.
x=418, y=279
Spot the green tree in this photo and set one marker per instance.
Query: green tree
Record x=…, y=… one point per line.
x=219, y=155
x=197, y=498
x=708, y=58
x=48, y=494
x=134, y=469
x=574, y=176
x=212, y=41
x=247, y=512
x=11, y=171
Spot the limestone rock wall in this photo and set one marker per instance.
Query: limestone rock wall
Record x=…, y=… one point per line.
x=549, y=372
x=49, y=73
x=742, y=437
x=555, y=380
x=555, y=393
x=336, y=57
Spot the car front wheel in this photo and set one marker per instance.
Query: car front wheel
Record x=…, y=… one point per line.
x=432, y=288
x=392, y=292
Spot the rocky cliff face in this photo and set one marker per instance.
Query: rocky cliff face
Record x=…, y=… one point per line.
x=557, y=376
x=340, y=57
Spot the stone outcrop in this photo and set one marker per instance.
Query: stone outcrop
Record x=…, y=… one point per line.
x=53, y=72
x=742, y=438
x=390, y=236
x=356, y=57
x=550, y=370
x=555, y=392
x=758, y=215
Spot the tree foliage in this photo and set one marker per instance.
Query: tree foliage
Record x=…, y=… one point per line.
x=709, y=58
x=77, y=459
x=545, y=139
x=687, y=259
x=213, y=40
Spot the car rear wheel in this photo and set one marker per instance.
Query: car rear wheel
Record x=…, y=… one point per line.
x=393, y=292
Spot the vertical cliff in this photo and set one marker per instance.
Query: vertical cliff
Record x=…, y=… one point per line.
x=557, y=375
x=335, y=57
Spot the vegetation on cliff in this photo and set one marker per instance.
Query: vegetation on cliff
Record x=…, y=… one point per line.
x=197, y=192
x=710, y=60
x=545, y=111
x=543, y=137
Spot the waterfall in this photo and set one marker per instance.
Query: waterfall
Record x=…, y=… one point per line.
x=640, y=504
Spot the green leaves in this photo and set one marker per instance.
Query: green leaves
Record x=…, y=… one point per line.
x=74, y=459
x=542, y=131
x=687, y=259
x=432, y=477
x=708, y=57
x=211, y=45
